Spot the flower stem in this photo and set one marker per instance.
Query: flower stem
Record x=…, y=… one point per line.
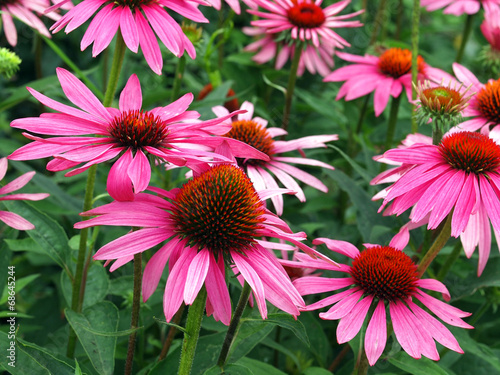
x=391, y=124
x=379, y=20
x=449, y=261
x=136, y=305
x=338, y=359
x=437, y=133
x=234, y=325
x=465, y=37
x=116, y=68
x=436, y=247
x=179, y=73
x=291, y=85
x=193, y=325
x=77, y=290
x=415, y=27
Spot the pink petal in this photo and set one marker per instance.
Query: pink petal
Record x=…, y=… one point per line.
x=196, y=275
x=149, y=44
x=131, y=95
x=350, y=324
x=119, y=185
x=15, y=221
x=376, y=334
x=217, y=290
x=128, y=30
x=139, y=172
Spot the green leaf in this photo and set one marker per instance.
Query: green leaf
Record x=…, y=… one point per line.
x=232, y=369
x=48, y=234
x=320, y=346
x=460, y=288
x=286, y=321
x=316, y=371
x=182, y=329
x=470, y=346
x=96, y=288
x=367, y=216
x=101, y=317
x=25, y=244
x=363, y=173
x=19, y=285
x=78, y=370
x=32, y=359
x=422, y=366
x=273, y=85
x=274, y=345
x=258, y=367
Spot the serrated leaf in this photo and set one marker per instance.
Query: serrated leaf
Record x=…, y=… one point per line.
x=286, y=321
x=101, y=317
x=48, y=234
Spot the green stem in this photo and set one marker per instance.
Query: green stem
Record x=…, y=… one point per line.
x=291, y=85
x=436, y=247
x=465, y=37
x=338, y=359
x=116, y=68
x=450, y=261
x=77, y=283
x=415, y=27
x=77, y=290
x=437, y=133
x=179, y=73
x=193, y=325
x=72, y=66
x=234, y=325
x=378, y=22
x=136, y=305
x=399, y=21
x=393, y=119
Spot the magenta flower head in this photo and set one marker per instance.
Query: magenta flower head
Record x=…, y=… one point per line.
x=315, y=59
x=386, y=75
x=382, y=276
x=458, y=177
x=95, y=134
x=11, y=219
x=254, y=132
x=24, y=10
x=215, y=220
x=459, y=7
x=483, y=106
x=304, y=21
x=138, y=21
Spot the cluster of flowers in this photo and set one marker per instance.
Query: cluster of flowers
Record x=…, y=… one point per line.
x=217, y=222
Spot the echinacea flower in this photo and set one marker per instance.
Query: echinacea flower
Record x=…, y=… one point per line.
x=491, y=27
x=304, y=22
x=11, y=219
x=459, y=7
x=234, y=4
x=170, y=133
x=382, y=277
x=24, y=10
x=254, y=132
x=386, y=75
x=443, y=104
x=483, y=106
x=315, y=59
x=138, y=21
x=458, y=177
x=215, y=219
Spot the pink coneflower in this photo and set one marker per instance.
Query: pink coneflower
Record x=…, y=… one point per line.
x=459, y=7
x=234, y=4
x=315, y=59
x=170, y=133
x=24, y=10
x=254, y=132
x=386, y=75
x=381, y=276
x=304, y=21
x=11, y=219
x=491, y=27
x=460, y=177
x=484, y=105
x=215, y=219
x=138, y=21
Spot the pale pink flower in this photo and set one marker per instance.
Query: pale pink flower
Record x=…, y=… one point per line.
x=254, y=132
x=459, y=177
x=315, y=59
x=459, y=7
x=95, y=134
x=304, y=21
x=381, y=276
x=11, y=219
x=491, y=27
x=138, y=21
x=483, y=106
x=234, y=4
x=215, y=219
x=386, y=75
x=26, y=11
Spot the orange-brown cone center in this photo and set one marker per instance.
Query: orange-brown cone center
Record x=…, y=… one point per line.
x=396, y=62
x=306, y=15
